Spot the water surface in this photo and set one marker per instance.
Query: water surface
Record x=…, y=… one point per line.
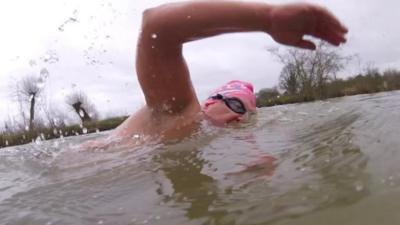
x=327, y=162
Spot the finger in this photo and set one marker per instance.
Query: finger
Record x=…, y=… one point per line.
x=336, y=38
x=332, y=40
x=327, y=19
x=341, y=27
x=330, y=36
x=306, y=44
x=344, y=29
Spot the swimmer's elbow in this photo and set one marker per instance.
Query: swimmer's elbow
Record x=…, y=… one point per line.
x=152, y=18
x=159, y=21
x=147, y=19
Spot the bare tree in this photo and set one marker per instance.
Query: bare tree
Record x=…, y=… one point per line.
x=266, y=94
x=289, y=80
x=54, y=118
x=79, y=101
x=308, y=72
x=28, y=89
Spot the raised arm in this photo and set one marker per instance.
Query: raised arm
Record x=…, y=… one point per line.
x=162, y=71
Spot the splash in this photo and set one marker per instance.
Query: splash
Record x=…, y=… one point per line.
x=72, y=19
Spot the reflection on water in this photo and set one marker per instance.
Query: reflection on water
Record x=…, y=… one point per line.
x=189, y=185
x=318, y=163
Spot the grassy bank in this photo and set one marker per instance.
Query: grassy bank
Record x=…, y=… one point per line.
x=24, y=137
x=292, y=99
x=372, y=82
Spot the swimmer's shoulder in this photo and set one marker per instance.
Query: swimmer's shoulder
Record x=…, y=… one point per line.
x=152, y=123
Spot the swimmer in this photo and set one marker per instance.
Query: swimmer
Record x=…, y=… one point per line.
x=172, y=108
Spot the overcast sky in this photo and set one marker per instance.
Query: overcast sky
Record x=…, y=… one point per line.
x=90, y=45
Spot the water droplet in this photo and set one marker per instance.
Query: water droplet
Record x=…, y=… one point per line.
x=173, y=99
x=97, y=130
x=81, y=113
x=61, y=28
x=359, y=187
x=327, y=160
x=40, y=84
x=50, y=57
x=6, y=142
x=32, y=63
x=44, y=73
x=154, y=36
x=189, y=17
x=38, y=141
x=26, y=127
x=85, y=130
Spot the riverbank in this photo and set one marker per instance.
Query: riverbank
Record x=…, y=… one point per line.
x=41, y=134
x=293, y=99
x=24, y=137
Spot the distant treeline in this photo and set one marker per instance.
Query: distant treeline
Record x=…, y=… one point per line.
x=371, y=81
x=37, y=121
x=42, y=133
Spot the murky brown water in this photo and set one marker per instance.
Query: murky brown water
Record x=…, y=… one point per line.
x=331, y=162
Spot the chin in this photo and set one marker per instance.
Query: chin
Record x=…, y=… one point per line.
x=223, y=122
x=215, y=120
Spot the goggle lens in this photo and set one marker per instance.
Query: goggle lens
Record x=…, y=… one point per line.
x=234, y=104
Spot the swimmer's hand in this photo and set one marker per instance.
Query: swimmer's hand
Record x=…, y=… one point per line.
x=289, y=23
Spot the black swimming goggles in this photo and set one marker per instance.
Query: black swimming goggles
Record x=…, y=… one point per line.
x=234, y=104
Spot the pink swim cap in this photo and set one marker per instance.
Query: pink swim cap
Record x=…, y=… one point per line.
x=240, y=89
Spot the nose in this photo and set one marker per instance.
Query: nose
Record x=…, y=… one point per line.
x=210, y=102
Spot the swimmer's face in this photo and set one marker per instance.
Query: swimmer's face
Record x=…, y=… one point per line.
x=219, y=113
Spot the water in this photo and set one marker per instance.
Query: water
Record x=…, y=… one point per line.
x=330, y=162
